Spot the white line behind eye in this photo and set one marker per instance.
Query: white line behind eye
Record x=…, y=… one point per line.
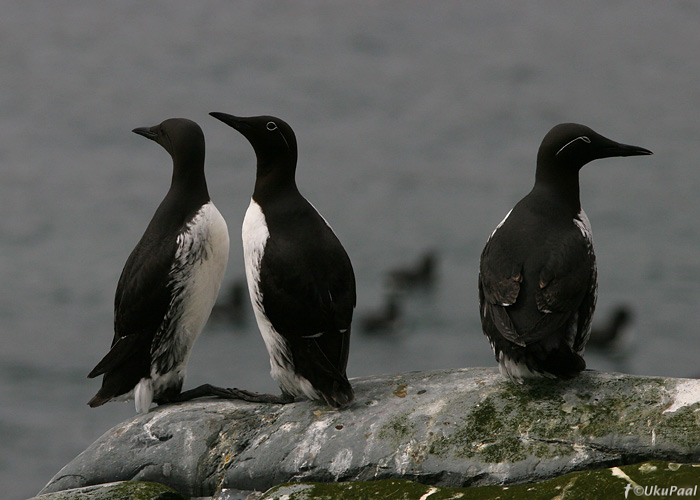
x=272, y=126
x=583, y=138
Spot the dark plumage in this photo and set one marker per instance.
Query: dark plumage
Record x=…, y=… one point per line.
x=300, y=278
x=169, y=282
x=537, y=277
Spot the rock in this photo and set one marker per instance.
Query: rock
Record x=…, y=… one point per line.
x=129, y=490
x=666, y=479
x=229, y=494
x=450, y=428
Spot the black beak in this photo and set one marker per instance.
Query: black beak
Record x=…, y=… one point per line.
x=146, y=132
x=232, y=121
x=617, y=149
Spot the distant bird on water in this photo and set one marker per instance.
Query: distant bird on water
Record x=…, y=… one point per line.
x=538, y=277
x=609, y=334
x=233, y=307
x=421, y=274
x=300, y=278
x=383, y=320
x=169, y=282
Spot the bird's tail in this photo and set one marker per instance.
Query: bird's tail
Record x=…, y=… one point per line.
x=341, y=394
x=112, y=387
x=100, y=398
x=563, y=363
x=559, y=362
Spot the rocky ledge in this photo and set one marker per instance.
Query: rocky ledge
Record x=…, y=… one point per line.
x=450, y=428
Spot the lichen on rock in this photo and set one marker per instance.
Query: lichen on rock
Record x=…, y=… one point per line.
x=448, y=428
x=676, y=480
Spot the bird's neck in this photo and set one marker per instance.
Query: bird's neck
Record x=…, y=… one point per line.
x=189, y=181
x=559, y=186
x=274, y=182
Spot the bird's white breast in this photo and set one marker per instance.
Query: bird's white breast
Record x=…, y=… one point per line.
x=195, y=276
x=255, y=235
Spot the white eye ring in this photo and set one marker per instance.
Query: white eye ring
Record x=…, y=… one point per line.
x=271, y=126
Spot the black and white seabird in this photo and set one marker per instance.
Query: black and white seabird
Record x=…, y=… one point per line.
x=538, y=277
x=169, y=282
x=300, y=279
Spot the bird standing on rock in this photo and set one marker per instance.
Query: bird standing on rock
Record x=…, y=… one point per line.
x=300, y=278
x=537, y=276
x=169, y=282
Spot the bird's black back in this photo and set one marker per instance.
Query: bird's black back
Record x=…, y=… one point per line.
x=538, y=286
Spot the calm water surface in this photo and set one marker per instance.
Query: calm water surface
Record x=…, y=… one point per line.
x=418, y=126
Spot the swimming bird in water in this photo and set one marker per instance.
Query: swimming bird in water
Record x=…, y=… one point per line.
x=421, y=274
x=537, y=276
x=300, y=278
x=383, y=320
x=169, y=282
x=609, y=335
x=233, y=308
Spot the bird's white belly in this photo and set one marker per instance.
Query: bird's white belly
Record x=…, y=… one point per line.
x=204, y=280
x=255, y=235
x=196, y=275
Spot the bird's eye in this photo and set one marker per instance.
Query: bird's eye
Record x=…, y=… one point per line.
x=271, y=126
x=585, y=139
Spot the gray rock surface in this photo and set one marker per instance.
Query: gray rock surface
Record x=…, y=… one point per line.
x=448, y=428
x=131, y=490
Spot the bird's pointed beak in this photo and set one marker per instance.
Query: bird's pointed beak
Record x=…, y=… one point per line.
x=618, y=149
x=147, y=132
x=236, y=122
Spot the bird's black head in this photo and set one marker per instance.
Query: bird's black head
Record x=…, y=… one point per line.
x=180, y=137
x=570, y=146
x=272, y=139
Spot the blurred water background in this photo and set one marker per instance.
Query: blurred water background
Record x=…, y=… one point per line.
x=418, y=124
